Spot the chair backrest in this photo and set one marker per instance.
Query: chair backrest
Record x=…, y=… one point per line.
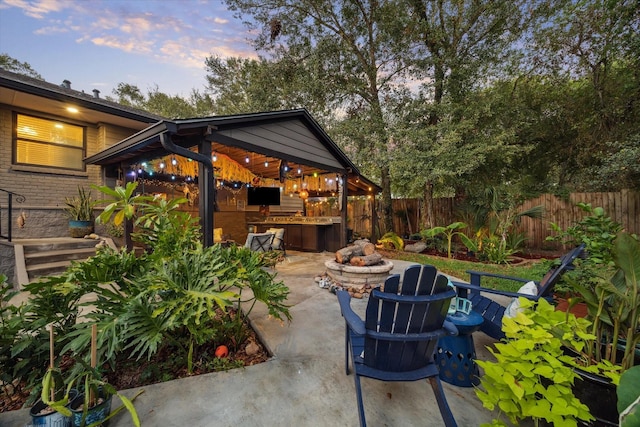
x=404, y=322
x=278, y=238
x=260, y=242
x=564, y=264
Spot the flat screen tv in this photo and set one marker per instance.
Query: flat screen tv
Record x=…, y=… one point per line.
x=263, y=196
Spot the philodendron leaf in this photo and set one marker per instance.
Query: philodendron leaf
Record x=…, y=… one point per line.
x=630, y=417
x=629, y=389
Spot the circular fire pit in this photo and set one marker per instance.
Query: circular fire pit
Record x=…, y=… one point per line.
x=350, y=275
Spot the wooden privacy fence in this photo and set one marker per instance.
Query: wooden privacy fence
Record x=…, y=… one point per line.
x=622, y=206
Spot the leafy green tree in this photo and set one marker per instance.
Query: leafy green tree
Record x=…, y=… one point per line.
x=466, y=43
x=358, y=50
x=596, y=44
x=238, y=85
x=157, y=102
x=11, y=64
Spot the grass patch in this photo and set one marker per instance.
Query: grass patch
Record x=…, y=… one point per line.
x=457, y=268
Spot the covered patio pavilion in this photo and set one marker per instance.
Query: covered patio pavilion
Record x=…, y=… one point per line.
x=270, y=147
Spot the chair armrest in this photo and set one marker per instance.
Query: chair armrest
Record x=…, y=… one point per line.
x=353, y=320
x=450, y=328
x=476, y=276
x=464, y=287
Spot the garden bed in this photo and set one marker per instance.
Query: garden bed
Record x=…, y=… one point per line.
x=165, y=365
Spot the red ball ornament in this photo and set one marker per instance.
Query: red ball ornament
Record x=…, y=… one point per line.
x=222, y=351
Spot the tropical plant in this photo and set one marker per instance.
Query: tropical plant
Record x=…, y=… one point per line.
x=391, y=239
x=628, y=392
x=533, y=374
x=179, y=288
x=176, y=296
x=121, y=203
x=613, y=302
x=94, y=390
x=11, y=323
x=496, y=250
x=474, y=244
x=596, y=230
x=449, y=231
x=80, y=207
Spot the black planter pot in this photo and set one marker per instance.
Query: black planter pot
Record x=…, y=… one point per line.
x=599, y=394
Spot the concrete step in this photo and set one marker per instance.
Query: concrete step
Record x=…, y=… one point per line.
x=47, y=269
x=48, y=257
x=40, y=257
x=57, y=245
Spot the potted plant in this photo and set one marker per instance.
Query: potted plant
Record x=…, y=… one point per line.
x=93, y=404
x=80, y=212
x=52, y=409
x=597, y=348
x=534, y=374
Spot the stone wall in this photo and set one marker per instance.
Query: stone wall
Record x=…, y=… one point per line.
x=8, y=262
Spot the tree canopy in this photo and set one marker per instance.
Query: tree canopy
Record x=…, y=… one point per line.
x=442, y=98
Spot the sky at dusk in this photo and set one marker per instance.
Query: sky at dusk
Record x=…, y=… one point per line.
x=97, y=44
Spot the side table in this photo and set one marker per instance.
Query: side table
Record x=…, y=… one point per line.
x=456, y=355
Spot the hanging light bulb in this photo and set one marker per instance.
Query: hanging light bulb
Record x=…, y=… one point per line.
x=161, y=165
x=215, y=157
x=246, y=159
x=266, y=164
x=299, y=171
x=174, y=161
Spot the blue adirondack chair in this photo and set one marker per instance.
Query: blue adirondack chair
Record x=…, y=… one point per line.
x=397, y=339
x=492, y=311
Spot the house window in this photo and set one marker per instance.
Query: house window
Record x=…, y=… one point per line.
x=50, y=143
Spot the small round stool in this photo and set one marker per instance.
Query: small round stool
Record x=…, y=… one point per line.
x=456, y=355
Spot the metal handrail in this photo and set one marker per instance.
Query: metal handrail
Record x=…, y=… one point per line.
x=20, y=199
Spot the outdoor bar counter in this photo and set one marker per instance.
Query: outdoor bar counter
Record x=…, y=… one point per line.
x=302, y=233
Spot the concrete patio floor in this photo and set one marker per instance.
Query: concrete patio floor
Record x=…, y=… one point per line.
x=304, y=383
